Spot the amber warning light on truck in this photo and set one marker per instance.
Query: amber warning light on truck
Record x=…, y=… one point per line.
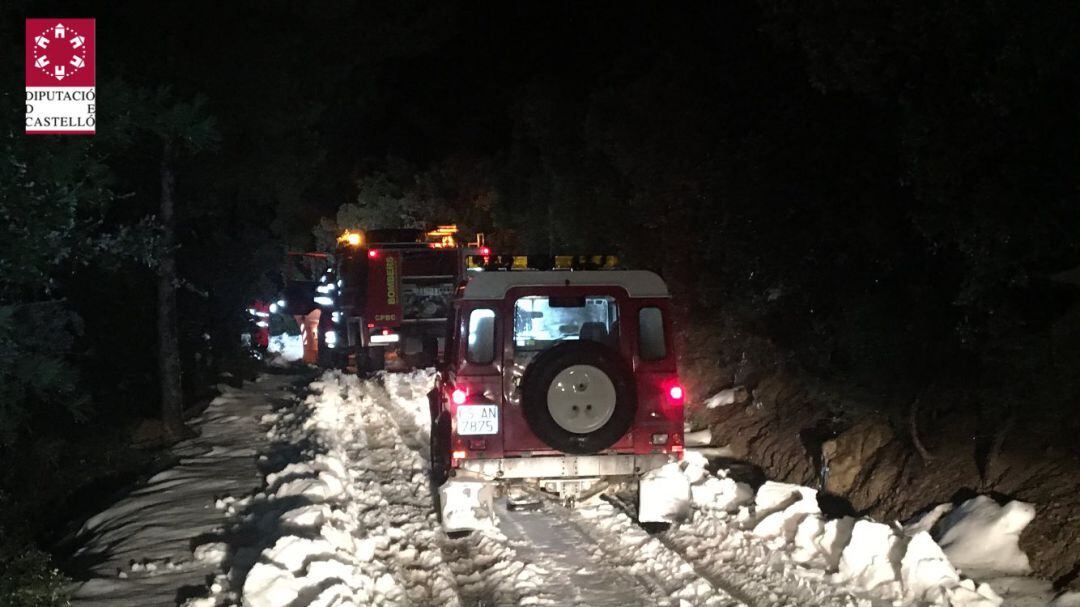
x=351, y=238
x=443, y=237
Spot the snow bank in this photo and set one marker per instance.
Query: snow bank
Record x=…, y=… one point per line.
x=713, y=492
x=665, y=495
x=698, y=438
x=981, y=536
x=726, y=397
x=467, y=505
x=869, y=560
x=290, y=347
x=927, y=521
x=780, y=508
x=782, y=525
x=353, y=514
x=347, y=518
x=169, y=533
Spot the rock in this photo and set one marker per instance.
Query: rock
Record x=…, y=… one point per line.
x=847, y=454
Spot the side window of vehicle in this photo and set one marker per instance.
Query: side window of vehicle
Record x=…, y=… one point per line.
x=651, y=342
x=480, y=344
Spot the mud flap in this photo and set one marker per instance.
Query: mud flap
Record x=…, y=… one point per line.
x=664, y=495
x=467, y=505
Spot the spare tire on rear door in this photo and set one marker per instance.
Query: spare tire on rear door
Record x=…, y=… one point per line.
x=579, y=397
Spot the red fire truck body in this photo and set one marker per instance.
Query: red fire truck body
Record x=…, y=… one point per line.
x=387, y=299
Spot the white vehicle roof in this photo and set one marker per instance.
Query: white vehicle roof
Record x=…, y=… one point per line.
x=494, y=285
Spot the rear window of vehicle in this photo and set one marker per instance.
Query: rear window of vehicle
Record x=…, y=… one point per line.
x=651, y=342
x=541, y=322
x=480, y=345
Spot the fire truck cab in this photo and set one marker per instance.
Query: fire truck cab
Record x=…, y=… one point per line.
x=557, y=379
x=386, y=299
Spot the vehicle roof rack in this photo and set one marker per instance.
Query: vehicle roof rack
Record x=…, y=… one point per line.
x=495, y=263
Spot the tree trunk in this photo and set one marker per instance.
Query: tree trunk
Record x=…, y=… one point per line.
x=172, y=397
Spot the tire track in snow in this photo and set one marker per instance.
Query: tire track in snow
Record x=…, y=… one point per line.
x=392, y=479
x=486, y=570
x=571, y=561
x=580, y=572
x=623, y=540
x=347, y=522
x=719, y=549
x=713, y=545
x=702, y=562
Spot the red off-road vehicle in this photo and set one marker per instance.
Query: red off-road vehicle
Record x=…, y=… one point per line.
x=555, y=378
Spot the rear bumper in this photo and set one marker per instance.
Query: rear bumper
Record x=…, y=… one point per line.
x=564, y=466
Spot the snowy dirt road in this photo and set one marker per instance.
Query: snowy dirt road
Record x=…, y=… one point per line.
x=345, y=516
x=365, y=530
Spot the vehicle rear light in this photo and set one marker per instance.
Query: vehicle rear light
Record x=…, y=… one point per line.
x=659, y=439
x=477, y=444
x=371, y=325
x=676, y=393
x=676, y=448
x=457, y=455
x=676, y=439
x=485, y=251
x=459, y=396
x=373, y=253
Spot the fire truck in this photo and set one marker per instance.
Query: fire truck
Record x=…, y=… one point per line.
x=386, y=298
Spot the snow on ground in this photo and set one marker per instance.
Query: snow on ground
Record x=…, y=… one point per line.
x=344, y=515
x=982, y=536
x=154, y=545
x=358, y=527
x=775, y=547
x=347, y=518
x=289, y=348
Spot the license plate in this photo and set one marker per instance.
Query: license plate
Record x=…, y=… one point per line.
x=477, y=419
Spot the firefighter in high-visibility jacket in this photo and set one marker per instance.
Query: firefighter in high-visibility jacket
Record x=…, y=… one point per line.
x=259, y=311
